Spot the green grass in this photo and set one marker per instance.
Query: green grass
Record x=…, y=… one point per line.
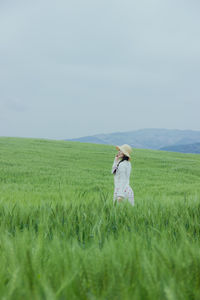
x=62, y=238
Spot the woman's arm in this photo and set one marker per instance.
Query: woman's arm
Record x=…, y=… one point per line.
x=114, y=166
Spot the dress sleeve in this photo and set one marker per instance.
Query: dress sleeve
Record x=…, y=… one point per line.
x=128, y=171
x=114, y=166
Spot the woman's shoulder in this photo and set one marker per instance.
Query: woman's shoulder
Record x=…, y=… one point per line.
x=126, y=163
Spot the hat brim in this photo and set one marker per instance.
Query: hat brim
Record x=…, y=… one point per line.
x=119, y=148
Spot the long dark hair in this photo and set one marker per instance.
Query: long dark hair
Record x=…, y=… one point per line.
x=124, y=157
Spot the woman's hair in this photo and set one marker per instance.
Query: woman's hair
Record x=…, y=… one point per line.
x=124, y=157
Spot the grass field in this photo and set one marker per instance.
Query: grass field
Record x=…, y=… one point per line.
x=62, y=238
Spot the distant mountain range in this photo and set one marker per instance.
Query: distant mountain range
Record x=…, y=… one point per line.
x=190, y=148
x=186, y=141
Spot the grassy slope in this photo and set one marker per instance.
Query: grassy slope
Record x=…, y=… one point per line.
x=61, y=236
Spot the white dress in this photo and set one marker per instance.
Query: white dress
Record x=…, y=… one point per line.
x=121, y=181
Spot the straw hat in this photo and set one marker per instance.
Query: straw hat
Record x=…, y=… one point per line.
x=126, y=149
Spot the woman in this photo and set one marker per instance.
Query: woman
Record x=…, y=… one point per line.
x=121, y=169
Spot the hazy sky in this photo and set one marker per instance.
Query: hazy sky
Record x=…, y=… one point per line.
x=76, y=68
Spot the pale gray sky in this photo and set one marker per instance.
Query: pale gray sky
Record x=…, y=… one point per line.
x=77, y=68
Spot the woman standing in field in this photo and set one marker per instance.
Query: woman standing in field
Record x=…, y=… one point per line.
x=122, y=169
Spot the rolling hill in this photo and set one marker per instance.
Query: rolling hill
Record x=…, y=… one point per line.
x=61, y=237
x=145, y=138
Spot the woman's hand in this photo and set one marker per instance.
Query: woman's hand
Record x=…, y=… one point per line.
x=119, y=199
x=119, y=155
